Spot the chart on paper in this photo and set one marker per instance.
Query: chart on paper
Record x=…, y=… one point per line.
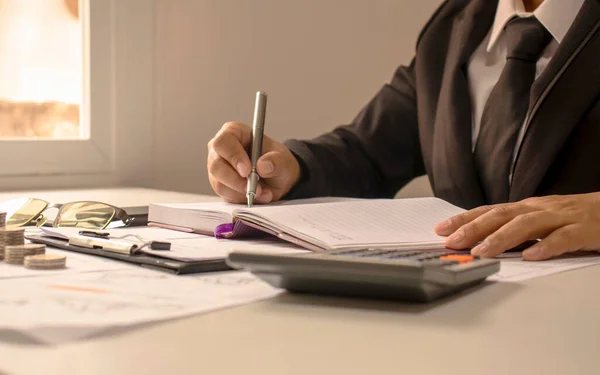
x=92, y=301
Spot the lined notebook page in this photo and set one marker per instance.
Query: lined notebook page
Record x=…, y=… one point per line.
x=355, y=224
x=206, y=216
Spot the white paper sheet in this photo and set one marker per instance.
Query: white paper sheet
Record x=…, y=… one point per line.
x=94, y=294
x=86, y=303
x=514, y=268
x=211, y=248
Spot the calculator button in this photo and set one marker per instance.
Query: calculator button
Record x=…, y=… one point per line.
x=459, y=258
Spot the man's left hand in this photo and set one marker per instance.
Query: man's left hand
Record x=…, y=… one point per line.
x=564, y=223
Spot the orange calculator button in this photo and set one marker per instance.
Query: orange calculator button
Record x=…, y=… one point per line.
x=458, y=258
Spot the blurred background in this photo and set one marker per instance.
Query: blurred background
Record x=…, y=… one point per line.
x=320, y=61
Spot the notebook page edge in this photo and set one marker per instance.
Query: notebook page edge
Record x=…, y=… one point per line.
x=259, y=214
x=195, y=219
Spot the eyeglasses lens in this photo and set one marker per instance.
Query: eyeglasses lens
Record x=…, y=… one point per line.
x=22, y=211
x=91, y=215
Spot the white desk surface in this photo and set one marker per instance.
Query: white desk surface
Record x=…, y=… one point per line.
x=548, y=325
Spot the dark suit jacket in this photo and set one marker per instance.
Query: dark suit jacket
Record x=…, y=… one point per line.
x=421, y=121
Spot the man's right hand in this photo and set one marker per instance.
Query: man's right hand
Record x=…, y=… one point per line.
x=228, y=165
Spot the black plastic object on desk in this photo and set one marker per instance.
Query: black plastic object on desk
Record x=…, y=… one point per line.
x=143, y=260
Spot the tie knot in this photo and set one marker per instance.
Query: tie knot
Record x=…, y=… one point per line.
x=526, y=39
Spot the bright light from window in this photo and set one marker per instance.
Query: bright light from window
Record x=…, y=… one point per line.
x=40, y=69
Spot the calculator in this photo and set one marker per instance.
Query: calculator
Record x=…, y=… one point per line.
x=419, y=276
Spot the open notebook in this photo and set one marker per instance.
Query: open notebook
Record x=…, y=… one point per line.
x=204, y=218
x=318, y=224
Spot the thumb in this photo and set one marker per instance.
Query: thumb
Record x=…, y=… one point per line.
x=271, y=164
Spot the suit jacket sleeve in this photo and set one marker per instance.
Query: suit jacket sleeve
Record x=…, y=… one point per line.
x=374, y=156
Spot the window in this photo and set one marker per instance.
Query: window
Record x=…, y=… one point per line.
x=80, y=137
x=103, y=104
x=41, y=70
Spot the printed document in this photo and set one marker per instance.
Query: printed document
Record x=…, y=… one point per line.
x=77, y=305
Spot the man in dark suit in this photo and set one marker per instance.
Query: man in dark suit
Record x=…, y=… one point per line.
x=499, y=107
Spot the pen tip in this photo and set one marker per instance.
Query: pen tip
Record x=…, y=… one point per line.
x=250, y=201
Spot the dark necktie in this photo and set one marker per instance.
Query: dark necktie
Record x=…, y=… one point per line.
x=507, y=105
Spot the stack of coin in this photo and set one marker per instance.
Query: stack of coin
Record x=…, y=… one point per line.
x=45, y=262
x=4, y=234
x=2, y=245
x=2, y=241
x=2, y=219
x=13, y=235
x=16, y=254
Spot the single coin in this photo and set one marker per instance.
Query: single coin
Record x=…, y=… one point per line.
x=45, y=261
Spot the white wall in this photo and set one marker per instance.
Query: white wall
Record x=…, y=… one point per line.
x=320, y=61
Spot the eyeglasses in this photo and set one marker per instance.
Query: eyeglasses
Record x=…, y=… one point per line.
x=85, y=214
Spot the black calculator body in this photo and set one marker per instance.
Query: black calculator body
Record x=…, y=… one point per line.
x=419, y=276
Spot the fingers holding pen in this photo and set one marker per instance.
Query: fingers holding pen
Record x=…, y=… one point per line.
x=230, y=145
x=227, y=182
x=229, y=164
x=222, y=171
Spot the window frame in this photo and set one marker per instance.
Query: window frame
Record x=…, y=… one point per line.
x=118, y=56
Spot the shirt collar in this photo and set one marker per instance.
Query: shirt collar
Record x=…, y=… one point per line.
x=556, y=16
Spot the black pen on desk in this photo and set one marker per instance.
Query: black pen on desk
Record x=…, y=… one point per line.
x=258, y=128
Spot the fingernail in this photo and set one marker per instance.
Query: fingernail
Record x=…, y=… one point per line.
x=267, y=167
x=480, y=249
x=242, y=170
x=533, y=252
x=456, y=237
x=443, y=226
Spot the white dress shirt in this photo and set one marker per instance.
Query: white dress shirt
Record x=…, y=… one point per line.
x=488, y=60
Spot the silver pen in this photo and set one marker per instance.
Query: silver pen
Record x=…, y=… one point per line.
x=258, y=128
